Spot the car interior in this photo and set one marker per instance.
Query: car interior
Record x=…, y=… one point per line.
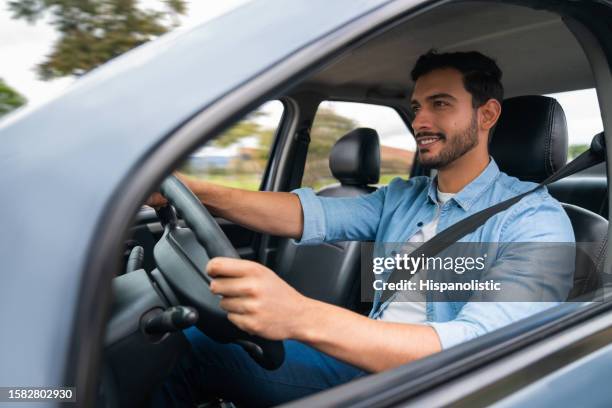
x=538, y=54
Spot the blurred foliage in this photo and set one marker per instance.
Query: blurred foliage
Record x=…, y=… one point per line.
x=575, y=150
x=245, y=128
x=245, y=170
x=10, y=99
x=95, y=31
x=327, y=128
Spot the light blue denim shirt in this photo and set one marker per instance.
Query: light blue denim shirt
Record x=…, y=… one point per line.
x=395, y=212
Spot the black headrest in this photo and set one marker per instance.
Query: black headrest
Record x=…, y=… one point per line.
x=530, y=140
x=355, y=158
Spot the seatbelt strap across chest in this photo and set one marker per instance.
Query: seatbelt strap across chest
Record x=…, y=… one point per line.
x=595, y=155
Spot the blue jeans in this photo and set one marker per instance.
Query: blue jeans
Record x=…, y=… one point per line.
x=227, y=371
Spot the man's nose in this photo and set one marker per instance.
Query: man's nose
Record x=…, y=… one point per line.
x=422, y=121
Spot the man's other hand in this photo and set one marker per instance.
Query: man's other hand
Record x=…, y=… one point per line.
x=156, y=200
x=256, y=299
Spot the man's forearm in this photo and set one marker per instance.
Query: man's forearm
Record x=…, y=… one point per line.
x=273, y=213
x=371, y=345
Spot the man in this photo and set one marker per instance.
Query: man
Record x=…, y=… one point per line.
x=456, y=103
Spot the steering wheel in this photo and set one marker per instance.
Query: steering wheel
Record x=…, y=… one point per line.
x=181, y=256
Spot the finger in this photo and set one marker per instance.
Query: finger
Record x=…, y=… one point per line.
x=238, y=305
x=233, y=287
x=231, y=267
x=156, y=200
x=241, y=321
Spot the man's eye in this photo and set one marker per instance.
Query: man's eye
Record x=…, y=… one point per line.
x=415, y=109
x=439, y=104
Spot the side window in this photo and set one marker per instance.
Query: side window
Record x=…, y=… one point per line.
x=238, y=156
x=583, y=118
x=335, y=119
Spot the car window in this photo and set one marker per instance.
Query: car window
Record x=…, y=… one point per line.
x=335, y=119
x=583, y=117
x=238, y=156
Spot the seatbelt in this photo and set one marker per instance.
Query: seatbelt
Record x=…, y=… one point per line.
x=595, y=155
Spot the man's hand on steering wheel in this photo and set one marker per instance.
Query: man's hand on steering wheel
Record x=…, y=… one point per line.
x=157, y=200
x=257, y=300
x=181, y=255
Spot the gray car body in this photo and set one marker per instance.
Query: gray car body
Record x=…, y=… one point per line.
x=66, y=165
x=62, y=163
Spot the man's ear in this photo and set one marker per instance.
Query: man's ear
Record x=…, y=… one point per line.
x=489, y=114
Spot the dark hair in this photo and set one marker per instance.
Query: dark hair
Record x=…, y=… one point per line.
x=481, y=75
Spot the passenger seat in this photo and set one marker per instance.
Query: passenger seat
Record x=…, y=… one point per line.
x=330, y=272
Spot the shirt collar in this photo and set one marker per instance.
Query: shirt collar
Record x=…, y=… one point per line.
x=471, y=192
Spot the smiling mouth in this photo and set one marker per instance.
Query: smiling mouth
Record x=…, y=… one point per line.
x=426, y=141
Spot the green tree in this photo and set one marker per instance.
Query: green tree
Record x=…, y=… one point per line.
x=9, y=98
x=327, y=128
x=94, y=31
x=245, y=172
x=245, y=127
x=249, y=127
x=575, y=150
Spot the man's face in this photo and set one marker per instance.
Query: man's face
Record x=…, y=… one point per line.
x=445, y=123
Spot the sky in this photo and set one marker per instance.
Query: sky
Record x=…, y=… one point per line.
x=23, y=46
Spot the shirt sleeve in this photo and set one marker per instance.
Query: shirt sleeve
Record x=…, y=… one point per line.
x=329, y=219
x=535, y=266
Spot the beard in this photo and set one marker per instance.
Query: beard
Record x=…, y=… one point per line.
x=453, y=147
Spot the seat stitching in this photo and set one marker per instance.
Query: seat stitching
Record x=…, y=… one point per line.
x=548, y=153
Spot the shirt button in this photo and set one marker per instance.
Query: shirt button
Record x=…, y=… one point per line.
x=419, y=224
